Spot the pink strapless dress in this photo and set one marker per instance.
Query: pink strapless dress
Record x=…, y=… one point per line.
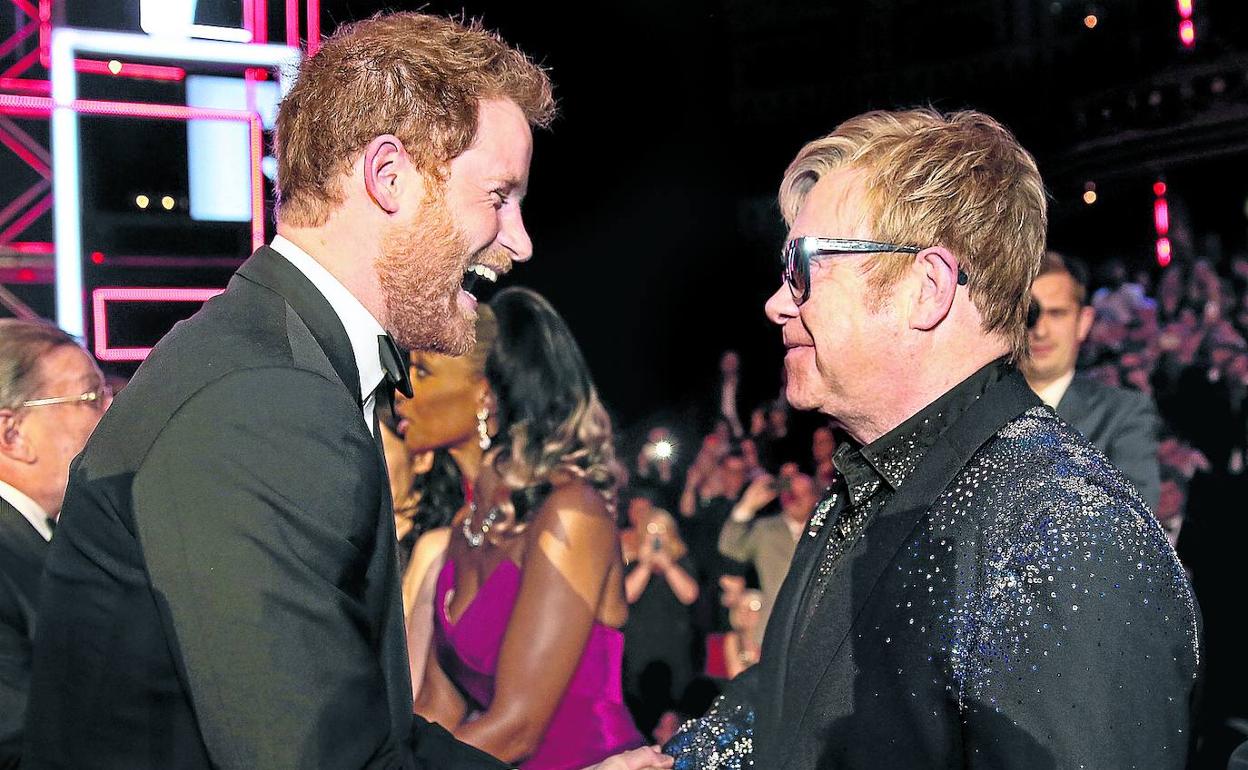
x=591, y=722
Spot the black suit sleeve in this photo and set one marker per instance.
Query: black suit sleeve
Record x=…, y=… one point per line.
x=256, y=509
x=14, y=674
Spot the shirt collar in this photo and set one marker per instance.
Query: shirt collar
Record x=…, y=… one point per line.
x=1052, y=393
x=891, y=458
x=30, y=510
x=362, y=328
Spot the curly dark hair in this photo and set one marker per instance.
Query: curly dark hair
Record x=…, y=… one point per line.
x=552, y=418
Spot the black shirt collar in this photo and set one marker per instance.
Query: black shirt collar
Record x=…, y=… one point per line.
x=891, y=458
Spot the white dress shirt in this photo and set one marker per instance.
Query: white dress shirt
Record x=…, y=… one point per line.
x=362, y=328
x=1052, y=393
x=29, y=509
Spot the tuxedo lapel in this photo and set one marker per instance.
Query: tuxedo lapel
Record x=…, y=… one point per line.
x=270, y=269
x=273, y=271
x=855, y=581
x=784, y=616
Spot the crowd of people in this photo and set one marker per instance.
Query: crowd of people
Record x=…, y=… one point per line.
x=959, y=564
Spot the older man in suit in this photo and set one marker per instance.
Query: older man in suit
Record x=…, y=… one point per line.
x=981, y=588
x=223, y=591
x=1121, y=423
x=51, y=397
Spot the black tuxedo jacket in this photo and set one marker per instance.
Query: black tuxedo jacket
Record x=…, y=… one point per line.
x=1121, y=423
x=22, y=551
x=222, y=590
x=1012, y=606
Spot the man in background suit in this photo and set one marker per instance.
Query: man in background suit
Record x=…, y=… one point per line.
x=223, y=591
x=1121, y=423
x=51, y=396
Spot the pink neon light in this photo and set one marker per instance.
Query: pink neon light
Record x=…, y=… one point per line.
x=128, y=70
x=19, y=203
x=17, y=37
x=25, y=220
x=20, y=109
x=168, y=112
x=27, y=8
x=45, y=32
x=249, y=17
x=30, y=142
x=127, y=109
x=101, y=297
x=292, y=23
x=27, y=274
x=165, y=263
x=1161, y=216
x=260, y=32
x=21, y=65
x=1163, y=251
x=257, y=182
x=1187, y=33
x=32, y=247
x=22, y=151
x=1185, y=8
x=314, y=27
x=29, y=86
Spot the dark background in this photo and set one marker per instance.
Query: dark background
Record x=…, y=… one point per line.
x=651, y=203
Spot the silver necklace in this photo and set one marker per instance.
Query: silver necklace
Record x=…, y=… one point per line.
x=475, y=539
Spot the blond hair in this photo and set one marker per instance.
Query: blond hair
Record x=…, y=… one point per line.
x=419, y=77
x=958, y=180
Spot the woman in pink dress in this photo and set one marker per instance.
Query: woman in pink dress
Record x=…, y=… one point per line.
x=527, y=648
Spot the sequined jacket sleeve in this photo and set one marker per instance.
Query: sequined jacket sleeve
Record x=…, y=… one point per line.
x=723, y=739
x=1075, y=636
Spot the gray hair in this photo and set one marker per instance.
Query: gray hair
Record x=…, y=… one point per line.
x=22, y=345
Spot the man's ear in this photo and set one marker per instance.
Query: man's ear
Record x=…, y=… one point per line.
x=938, y=273
x=13, y=442
x=1087, y=314
x=386, y=170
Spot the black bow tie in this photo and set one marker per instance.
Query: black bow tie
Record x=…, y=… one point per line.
x=394, y=362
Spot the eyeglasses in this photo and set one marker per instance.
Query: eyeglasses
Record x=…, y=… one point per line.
x=97, y=398
x=799, y=252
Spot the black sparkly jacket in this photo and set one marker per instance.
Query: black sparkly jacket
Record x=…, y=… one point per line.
x=1013, y=605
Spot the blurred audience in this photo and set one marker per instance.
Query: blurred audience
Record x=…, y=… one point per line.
x=660, y=586
x=743, y=644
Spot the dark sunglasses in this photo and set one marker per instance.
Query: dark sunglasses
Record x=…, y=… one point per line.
x=800, y=252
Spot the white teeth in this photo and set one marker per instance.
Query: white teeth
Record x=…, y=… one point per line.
x=484, y=272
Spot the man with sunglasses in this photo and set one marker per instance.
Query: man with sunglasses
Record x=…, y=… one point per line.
x=51, y=397
x=980, y=588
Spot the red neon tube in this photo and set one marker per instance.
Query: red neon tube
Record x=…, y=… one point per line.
x=314, y=27
x=24, y=221
x=23, y=152
x=292, y=23
x=43, y=87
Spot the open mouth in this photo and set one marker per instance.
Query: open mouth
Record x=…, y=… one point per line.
x=475, y=274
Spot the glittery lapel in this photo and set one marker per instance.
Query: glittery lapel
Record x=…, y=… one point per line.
x=784, y=619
